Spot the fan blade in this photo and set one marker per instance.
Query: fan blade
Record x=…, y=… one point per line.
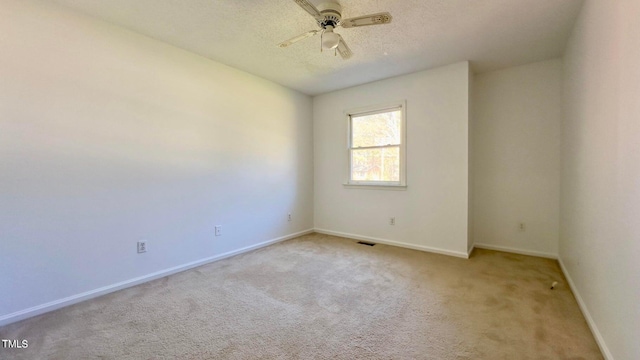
x=343, y=49
x=311, y=33
x=308, y=7
x=373, y=19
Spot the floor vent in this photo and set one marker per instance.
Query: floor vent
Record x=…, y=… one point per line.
x=366, y=243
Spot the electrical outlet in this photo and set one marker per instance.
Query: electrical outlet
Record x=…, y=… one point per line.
x=392, y=221
x=142, y=246
x=521, y=227
x=289, y=217
x=218, y=229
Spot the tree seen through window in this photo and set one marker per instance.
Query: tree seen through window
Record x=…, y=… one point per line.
x=375, y=146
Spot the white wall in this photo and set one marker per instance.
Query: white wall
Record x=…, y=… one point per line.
x=108, y=137
x=600, y=204
x=432, y=213
x=470, y=166
x=516, y=157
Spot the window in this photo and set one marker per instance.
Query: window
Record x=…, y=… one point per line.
x=377, y=146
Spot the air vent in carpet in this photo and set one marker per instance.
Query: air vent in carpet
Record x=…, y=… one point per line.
x=365, y=243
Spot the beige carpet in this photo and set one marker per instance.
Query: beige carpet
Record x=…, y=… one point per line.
x=322, y=297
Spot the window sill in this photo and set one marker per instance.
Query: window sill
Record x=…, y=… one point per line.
x=375, y=187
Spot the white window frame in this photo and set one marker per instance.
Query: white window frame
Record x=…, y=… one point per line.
x=376, y=109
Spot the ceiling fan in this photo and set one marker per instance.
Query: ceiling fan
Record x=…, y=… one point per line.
x=328, y=15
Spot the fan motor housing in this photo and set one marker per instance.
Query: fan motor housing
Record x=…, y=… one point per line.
x=332, y=13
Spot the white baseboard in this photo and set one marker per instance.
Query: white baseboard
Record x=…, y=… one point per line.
x=470, y=250
x=585, y=312
x=459, y=254
x=517, y=251
x=74, y=299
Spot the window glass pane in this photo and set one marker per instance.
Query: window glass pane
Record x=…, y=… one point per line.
x=376, y=129
x=381, y=164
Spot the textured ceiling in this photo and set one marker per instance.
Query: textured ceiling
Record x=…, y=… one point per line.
x=492, y=34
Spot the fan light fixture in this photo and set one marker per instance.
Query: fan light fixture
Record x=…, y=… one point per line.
x=330, y=40
x=328, y=16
